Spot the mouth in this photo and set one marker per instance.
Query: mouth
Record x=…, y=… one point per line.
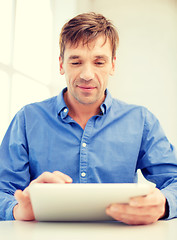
x=86, y=88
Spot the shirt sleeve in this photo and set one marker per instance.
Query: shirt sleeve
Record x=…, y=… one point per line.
x=158, y=161
x=14, y=170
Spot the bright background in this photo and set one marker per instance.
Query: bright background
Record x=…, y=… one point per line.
x=146, y=59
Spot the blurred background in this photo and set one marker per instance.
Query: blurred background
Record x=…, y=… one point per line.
x=146, y=71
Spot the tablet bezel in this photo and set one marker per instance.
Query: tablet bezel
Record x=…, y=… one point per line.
x=81, y=202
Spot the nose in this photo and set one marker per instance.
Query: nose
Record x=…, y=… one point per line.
x=87, y=73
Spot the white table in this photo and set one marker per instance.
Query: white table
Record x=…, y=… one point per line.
x=16, y=230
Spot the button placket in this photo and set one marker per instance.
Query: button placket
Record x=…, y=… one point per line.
x=83, y=162
x=84, y=151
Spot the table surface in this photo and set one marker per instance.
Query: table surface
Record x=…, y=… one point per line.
x=13, y=230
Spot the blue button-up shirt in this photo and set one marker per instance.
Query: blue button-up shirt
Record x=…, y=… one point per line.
x=113, y=146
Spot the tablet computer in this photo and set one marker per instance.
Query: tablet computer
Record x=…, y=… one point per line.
x=81, y=202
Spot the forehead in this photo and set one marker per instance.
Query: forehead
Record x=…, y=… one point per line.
x=95, y=47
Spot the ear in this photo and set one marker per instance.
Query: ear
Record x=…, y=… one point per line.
x=113, y=66
x=62, y=72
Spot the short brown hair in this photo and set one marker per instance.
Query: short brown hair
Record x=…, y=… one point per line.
x=87, y=27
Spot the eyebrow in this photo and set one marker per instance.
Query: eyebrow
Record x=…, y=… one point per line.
x=96, y=57
x=102, y=57
x=74, y=57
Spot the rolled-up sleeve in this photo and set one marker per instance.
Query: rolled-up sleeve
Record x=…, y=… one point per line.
x=158, y=161
x=14, y=170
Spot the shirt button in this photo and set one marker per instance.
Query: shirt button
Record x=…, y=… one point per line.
x=84, y=144
x=83, y=174
x=65, y=110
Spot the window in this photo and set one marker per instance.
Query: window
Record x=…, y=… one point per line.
x=26, y=55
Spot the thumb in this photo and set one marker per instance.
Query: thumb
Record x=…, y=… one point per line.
x=22, y=197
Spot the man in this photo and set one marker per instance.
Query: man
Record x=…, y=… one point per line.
x=85, y=136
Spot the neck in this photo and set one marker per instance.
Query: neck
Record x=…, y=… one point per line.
x=81, y=113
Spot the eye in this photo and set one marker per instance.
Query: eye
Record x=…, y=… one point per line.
x=75, y=63
x=99, y=63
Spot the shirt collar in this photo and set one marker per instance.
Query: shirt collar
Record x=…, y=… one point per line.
x=62, y=108
x=107, y=102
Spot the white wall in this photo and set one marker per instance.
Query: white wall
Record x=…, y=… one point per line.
x=146, y=60
x=63, y=11
x=147, y=56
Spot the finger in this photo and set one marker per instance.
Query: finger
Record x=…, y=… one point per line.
x=63, y=176
x=48, y=177
x=134, y=218
x=152, y=199
x=118, y=209
x=22, y=197
x=23, y=210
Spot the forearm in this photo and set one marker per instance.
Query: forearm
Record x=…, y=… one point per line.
x=7, y=203
x=170, y=193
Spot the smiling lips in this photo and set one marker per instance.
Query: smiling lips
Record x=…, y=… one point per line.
x=86, y=88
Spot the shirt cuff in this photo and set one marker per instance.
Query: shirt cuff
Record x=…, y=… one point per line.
x=171, y=204
x=9, y=211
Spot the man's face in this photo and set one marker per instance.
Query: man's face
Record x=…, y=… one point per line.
x=87, y=69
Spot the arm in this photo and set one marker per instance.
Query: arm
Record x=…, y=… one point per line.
x=15, y=172
x=158, y=163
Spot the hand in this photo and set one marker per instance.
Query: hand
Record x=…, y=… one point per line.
x=140, y=210
x=23, y=210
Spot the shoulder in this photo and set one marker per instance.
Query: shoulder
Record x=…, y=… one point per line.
x=133, y=112
x=48, y=105
x=35, y=112
x=124, y=107
x=45, y=104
